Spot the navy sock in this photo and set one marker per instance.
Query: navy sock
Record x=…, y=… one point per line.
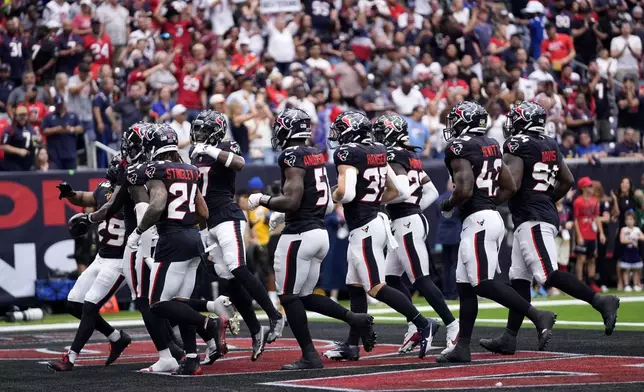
x=397, y=283
x=298, y=322
x=515, y=319
x=434, y=298
x=75, y=309
x=86, y=327
x=153, y=323
x=326, y=306
x=244, y=304
x=469, y=309
x=401, y=304
x=569, y=284
x=257, y=291
x=200, y=305
x=504, y=295
x=189, y=337
x=358, y=299
x=179, y=312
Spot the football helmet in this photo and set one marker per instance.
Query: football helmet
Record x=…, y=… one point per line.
x=132, y=141
x=209, y=127
x=159, y=140
x=290, y=124
x=390, y=130
x=525, y=117
x=350, y=127
x=466, y=116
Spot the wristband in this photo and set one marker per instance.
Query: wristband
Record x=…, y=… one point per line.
x=213, y=151
x=229, y=160
x=138, y=231
x=264, y=200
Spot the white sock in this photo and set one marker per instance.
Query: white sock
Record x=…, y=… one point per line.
x=165, y=354
x=114, y=336
x=211, y=344
x=210, y=306
x=72, y=356
x=191, y=355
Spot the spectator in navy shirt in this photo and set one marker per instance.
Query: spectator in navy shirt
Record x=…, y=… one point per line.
x=61, y=128
x=567, y=146
x=628, y=147
x=14, y=50
x=70, y=48
x=6, y=85
x=104, y=119
x=587, y=149
x=18, y=143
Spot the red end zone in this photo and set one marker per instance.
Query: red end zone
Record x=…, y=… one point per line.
x=567, y=370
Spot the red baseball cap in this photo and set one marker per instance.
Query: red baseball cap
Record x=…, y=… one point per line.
x=584, y=182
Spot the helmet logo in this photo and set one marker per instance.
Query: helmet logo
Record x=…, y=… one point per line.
x=219, y=121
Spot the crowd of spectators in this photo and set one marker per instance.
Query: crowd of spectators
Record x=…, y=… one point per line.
x=86, y=69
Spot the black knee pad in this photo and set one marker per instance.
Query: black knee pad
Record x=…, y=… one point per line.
x=75, y=309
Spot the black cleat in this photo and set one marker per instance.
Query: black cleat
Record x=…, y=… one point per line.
x=343, y=352
x=176, y=351
x=116, y=348
x=505, y=344
x=259, y=341
x=217, y=327
x=427, y=336
x=189, y=367
x=607, y=306
x=460, y=354
x=61, y=365
x=304, y=364
x=276, y=329
x=361, y=320
x=544, y=324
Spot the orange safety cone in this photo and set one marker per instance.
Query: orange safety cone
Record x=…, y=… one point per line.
x=111, y=306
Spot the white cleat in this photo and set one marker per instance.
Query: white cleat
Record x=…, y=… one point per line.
x=452, y=337
x=225, y=308
x=411, y=339
x=163, y=365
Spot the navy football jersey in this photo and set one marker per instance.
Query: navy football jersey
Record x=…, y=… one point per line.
x=126, y=174
x=316, y=194
x=217, y=185
x=541, y=161
x=485, y=156
x=111, y=232
x=409, y=160
x=371, y=162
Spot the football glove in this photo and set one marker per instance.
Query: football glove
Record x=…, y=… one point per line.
x=66, y=190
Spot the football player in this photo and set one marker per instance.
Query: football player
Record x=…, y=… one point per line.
x=304, y=201
x=410, y=227
x=175, y=202
x=481, y=181
x=541, y=177
x=365, y=180
x=101, y=279
x=218, y=162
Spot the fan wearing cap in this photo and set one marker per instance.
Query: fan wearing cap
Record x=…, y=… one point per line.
x=587, y=224
x=175, y=22
x=244, y=60
x=18, y=143
x=82, y=21
x=99, y=44
x=61, y=128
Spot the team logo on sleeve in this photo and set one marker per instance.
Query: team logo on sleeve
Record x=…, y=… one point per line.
x=456, y=148
x=391, y=156
x=513, y=146
x=290, y=159
x=132, y=177
x=234, y=147
x=343, y=155
x=150, y=171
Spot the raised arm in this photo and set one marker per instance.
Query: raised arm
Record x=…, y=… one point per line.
x=158, y=198
x=113, y=205
x=77, y=198
x=226, y=158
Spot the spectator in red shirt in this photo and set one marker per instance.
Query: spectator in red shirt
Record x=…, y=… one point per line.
x=395, y=8
x=587, y=224
x=192, y=89
x=99, y=44
x=177, y=23
x=82, y=21
x=244, y=60
x=276, y=93
x=454, y=85
x=559, y=48
x=36, y=110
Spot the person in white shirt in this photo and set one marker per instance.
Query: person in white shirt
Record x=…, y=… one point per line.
x=627, y=49
x=182, y=127
x=115, y=19
x=299, y=100
x=221, y=15
x=406, y=97
x=281, y=45
x=605, y=63
x=260, y=132
x=542, y=73
x=460, y=13
x=57, y=11
x=316, y=62
x=495, y=123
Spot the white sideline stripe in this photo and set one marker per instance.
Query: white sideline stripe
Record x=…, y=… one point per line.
x=374, y=312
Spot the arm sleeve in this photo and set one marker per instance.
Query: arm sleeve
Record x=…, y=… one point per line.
x=350, y=181
x=430, y=194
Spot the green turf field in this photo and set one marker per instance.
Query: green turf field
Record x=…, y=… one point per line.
x=576, y=316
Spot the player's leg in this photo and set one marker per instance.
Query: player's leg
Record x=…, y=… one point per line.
x=413, y=251
x=579, y=265
x=230, y=237
x=373, y=246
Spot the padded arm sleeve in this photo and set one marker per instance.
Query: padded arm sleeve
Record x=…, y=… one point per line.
x=430, y=194
x=350, y=181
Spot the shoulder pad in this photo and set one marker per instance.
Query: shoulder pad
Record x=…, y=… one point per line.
x=291, y=157
x=516, y=144
x=230, y=145
x=345, y=155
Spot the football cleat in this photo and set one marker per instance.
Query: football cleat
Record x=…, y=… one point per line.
x=368, y=337
x=427, y=336
x=452, y=336
x=303, y=364
x=217, y=326
x=343, y=352
x=163, y=365
x=505, y=344
x=61, y=365
x=411, y=339
x=224, y=307
x=277, y=327
x=116, y=348
x=607, y=306
x=460, y=354
x=259, y=341
x=544, y=324
x=189, y=367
